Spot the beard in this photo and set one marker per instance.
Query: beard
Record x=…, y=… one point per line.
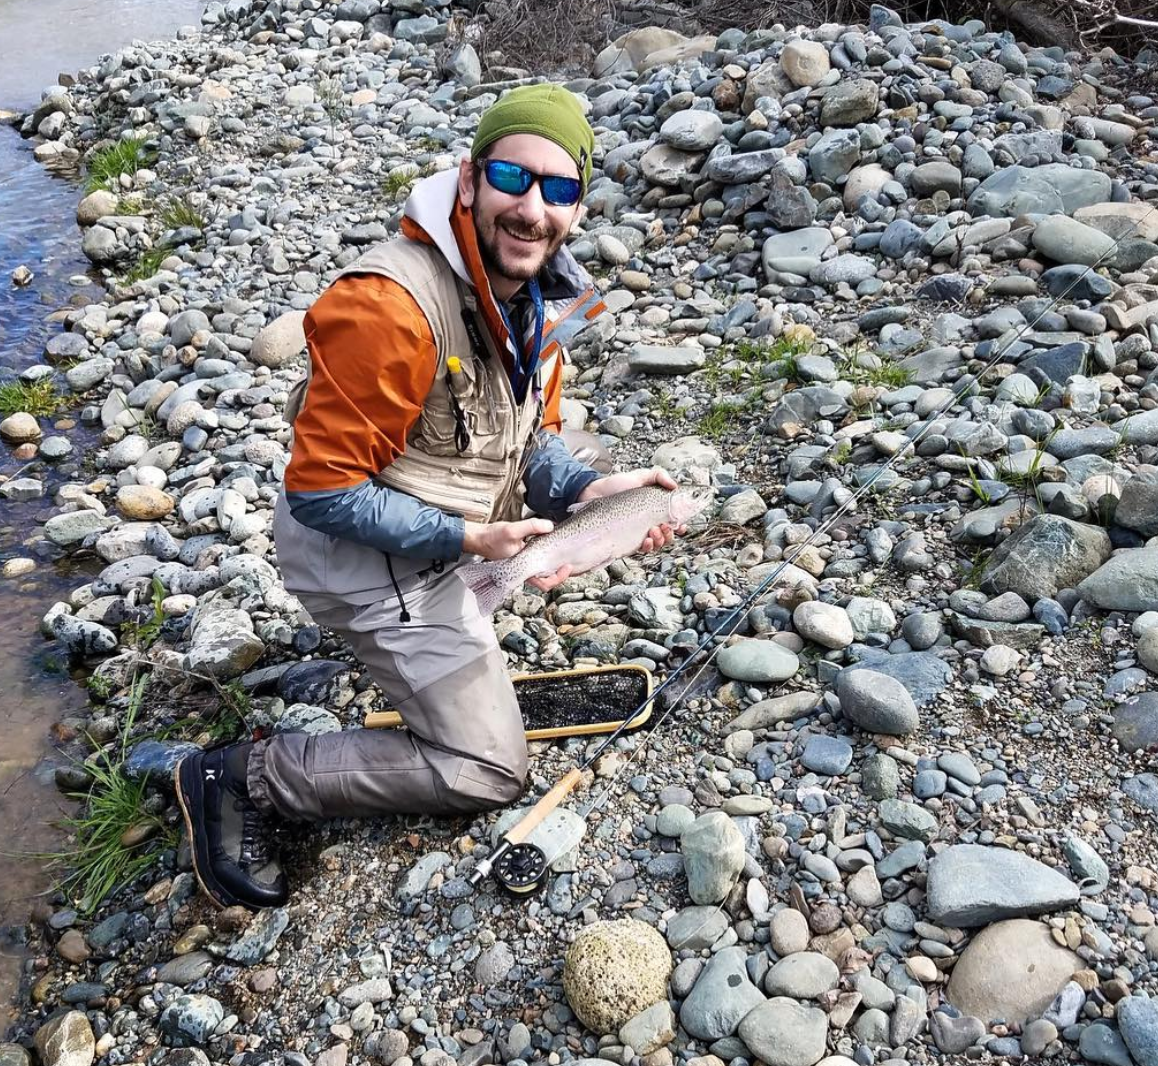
x=507, y=262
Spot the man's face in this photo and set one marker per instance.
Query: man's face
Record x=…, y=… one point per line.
x=518, y=234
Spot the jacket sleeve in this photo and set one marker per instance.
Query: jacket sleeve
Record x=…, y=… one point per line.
x=554, y=478
x=373, y=362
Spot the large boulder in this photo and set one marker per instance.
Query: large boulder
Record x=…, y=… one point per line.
x=1046, y=190
x=280, y=342
x=1127, y=582
x=876, y=702
x=805, y=62
x=1046, y=554
x=613, y=971
x=970, y=885
x=1011, y=972
x=723, y=995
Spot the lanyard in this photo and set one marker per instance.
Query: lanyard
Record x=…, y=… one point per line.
x=526, y=363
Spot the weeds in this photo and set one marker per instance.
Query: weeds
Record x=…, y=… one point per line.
x=329, y=95
x=975, y=570
x=781, y=355
x=115, y=839
x=979, y=490
x=106, y=165
x=146, y=266
x=37, y=398
x=719, y=419
x=886, y=376
x=143, y=635
x=842, y=452
x=664, y=408
x=180, y=213
x=397, y=183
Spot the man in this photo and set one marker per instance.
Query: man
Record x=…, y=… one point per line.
x=429, y=427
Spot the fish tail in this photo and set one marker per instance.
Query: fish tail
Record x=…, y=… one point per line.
x=486, y=582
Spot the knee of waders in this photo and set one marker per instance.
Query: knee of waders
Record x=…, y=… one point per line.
x=496, y=783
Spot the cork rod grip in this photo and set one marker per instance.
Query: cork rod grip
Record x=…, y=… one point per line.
x=545, y=806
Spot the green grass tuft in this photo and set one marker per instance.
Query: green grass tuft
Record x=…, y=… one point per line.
x=106, y=165
x=99, y=861
x=38, y=398
x=397, y=184
x=146, y=266
x=182, y=212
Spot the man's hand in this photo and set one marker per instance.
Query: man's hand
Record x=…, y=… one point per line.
x=501, y=540
x=658, y=536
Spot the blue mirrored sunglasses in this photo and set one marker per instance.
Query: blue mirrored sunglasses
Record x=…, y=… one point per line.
x=515, y=180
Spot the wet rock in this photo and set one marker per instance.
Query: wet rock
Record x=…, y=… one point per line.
x=20, y=428
x=66, y=1040
x=191, y=1019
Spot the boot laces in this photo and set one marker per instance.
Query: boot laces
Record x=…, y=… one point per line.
x=256, y=834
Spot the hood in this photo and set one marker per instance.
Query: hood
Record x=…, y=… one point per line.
x=434, y=214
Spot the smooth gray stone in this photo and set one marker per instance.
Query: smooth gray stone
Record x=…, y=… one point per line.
x=971, y=885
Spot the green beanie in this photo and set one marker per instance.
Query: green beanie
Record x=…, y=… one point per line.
x=549, y=111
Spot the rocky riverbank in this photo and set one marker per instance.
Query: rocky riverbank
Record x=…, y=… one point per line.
x=908, y=813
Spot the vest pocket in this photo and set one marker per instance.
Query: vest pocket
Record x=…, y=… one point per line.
x=470, y=489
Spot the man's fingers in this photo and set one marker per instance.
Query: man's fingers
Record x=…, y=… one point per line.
x=662, y=478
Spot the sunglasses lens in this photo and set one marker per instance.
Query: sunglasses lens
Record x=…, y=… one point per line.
x=508, y=177
x=563, y=192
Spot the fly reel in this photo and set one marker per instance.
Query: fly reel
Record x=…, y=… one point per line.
x=521, y=869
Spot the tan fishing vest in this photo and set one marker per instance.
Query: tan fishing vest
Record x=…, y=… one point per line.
x=477, y=473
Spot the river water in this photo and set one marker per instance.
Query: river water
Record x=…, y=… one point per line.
x=39, y=39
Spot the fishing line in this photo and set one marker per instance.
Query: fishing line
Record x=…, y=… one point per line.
x=750, y=600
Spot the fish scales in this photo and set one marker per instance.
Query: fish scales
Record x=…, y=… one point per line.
x=596, y=533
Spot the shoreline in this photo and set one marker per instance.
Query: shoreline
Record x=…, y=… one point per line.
x=746, y=254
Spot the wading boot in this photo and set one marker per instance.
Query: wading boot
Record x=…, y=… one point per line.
x=234, y=855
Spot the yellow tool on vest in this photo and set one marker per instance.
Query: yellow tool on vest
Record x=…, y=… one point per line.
x=459, y=386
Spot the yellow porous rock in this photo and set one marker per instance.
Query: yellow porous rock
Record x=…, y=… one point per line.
x=614, y=970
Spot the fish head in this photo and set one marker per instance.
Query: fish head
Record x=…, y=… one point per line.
x=688, y=501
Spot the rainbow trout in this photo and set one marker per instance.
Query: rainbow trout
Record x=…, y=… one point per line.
x=593, y=535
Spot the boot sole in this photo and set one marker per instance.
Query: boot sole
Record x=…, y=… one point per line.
x=201, y=869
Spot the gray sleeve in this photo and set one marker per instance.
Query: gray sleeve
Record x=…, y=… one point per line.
x=383, y=518
x=554, y=477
